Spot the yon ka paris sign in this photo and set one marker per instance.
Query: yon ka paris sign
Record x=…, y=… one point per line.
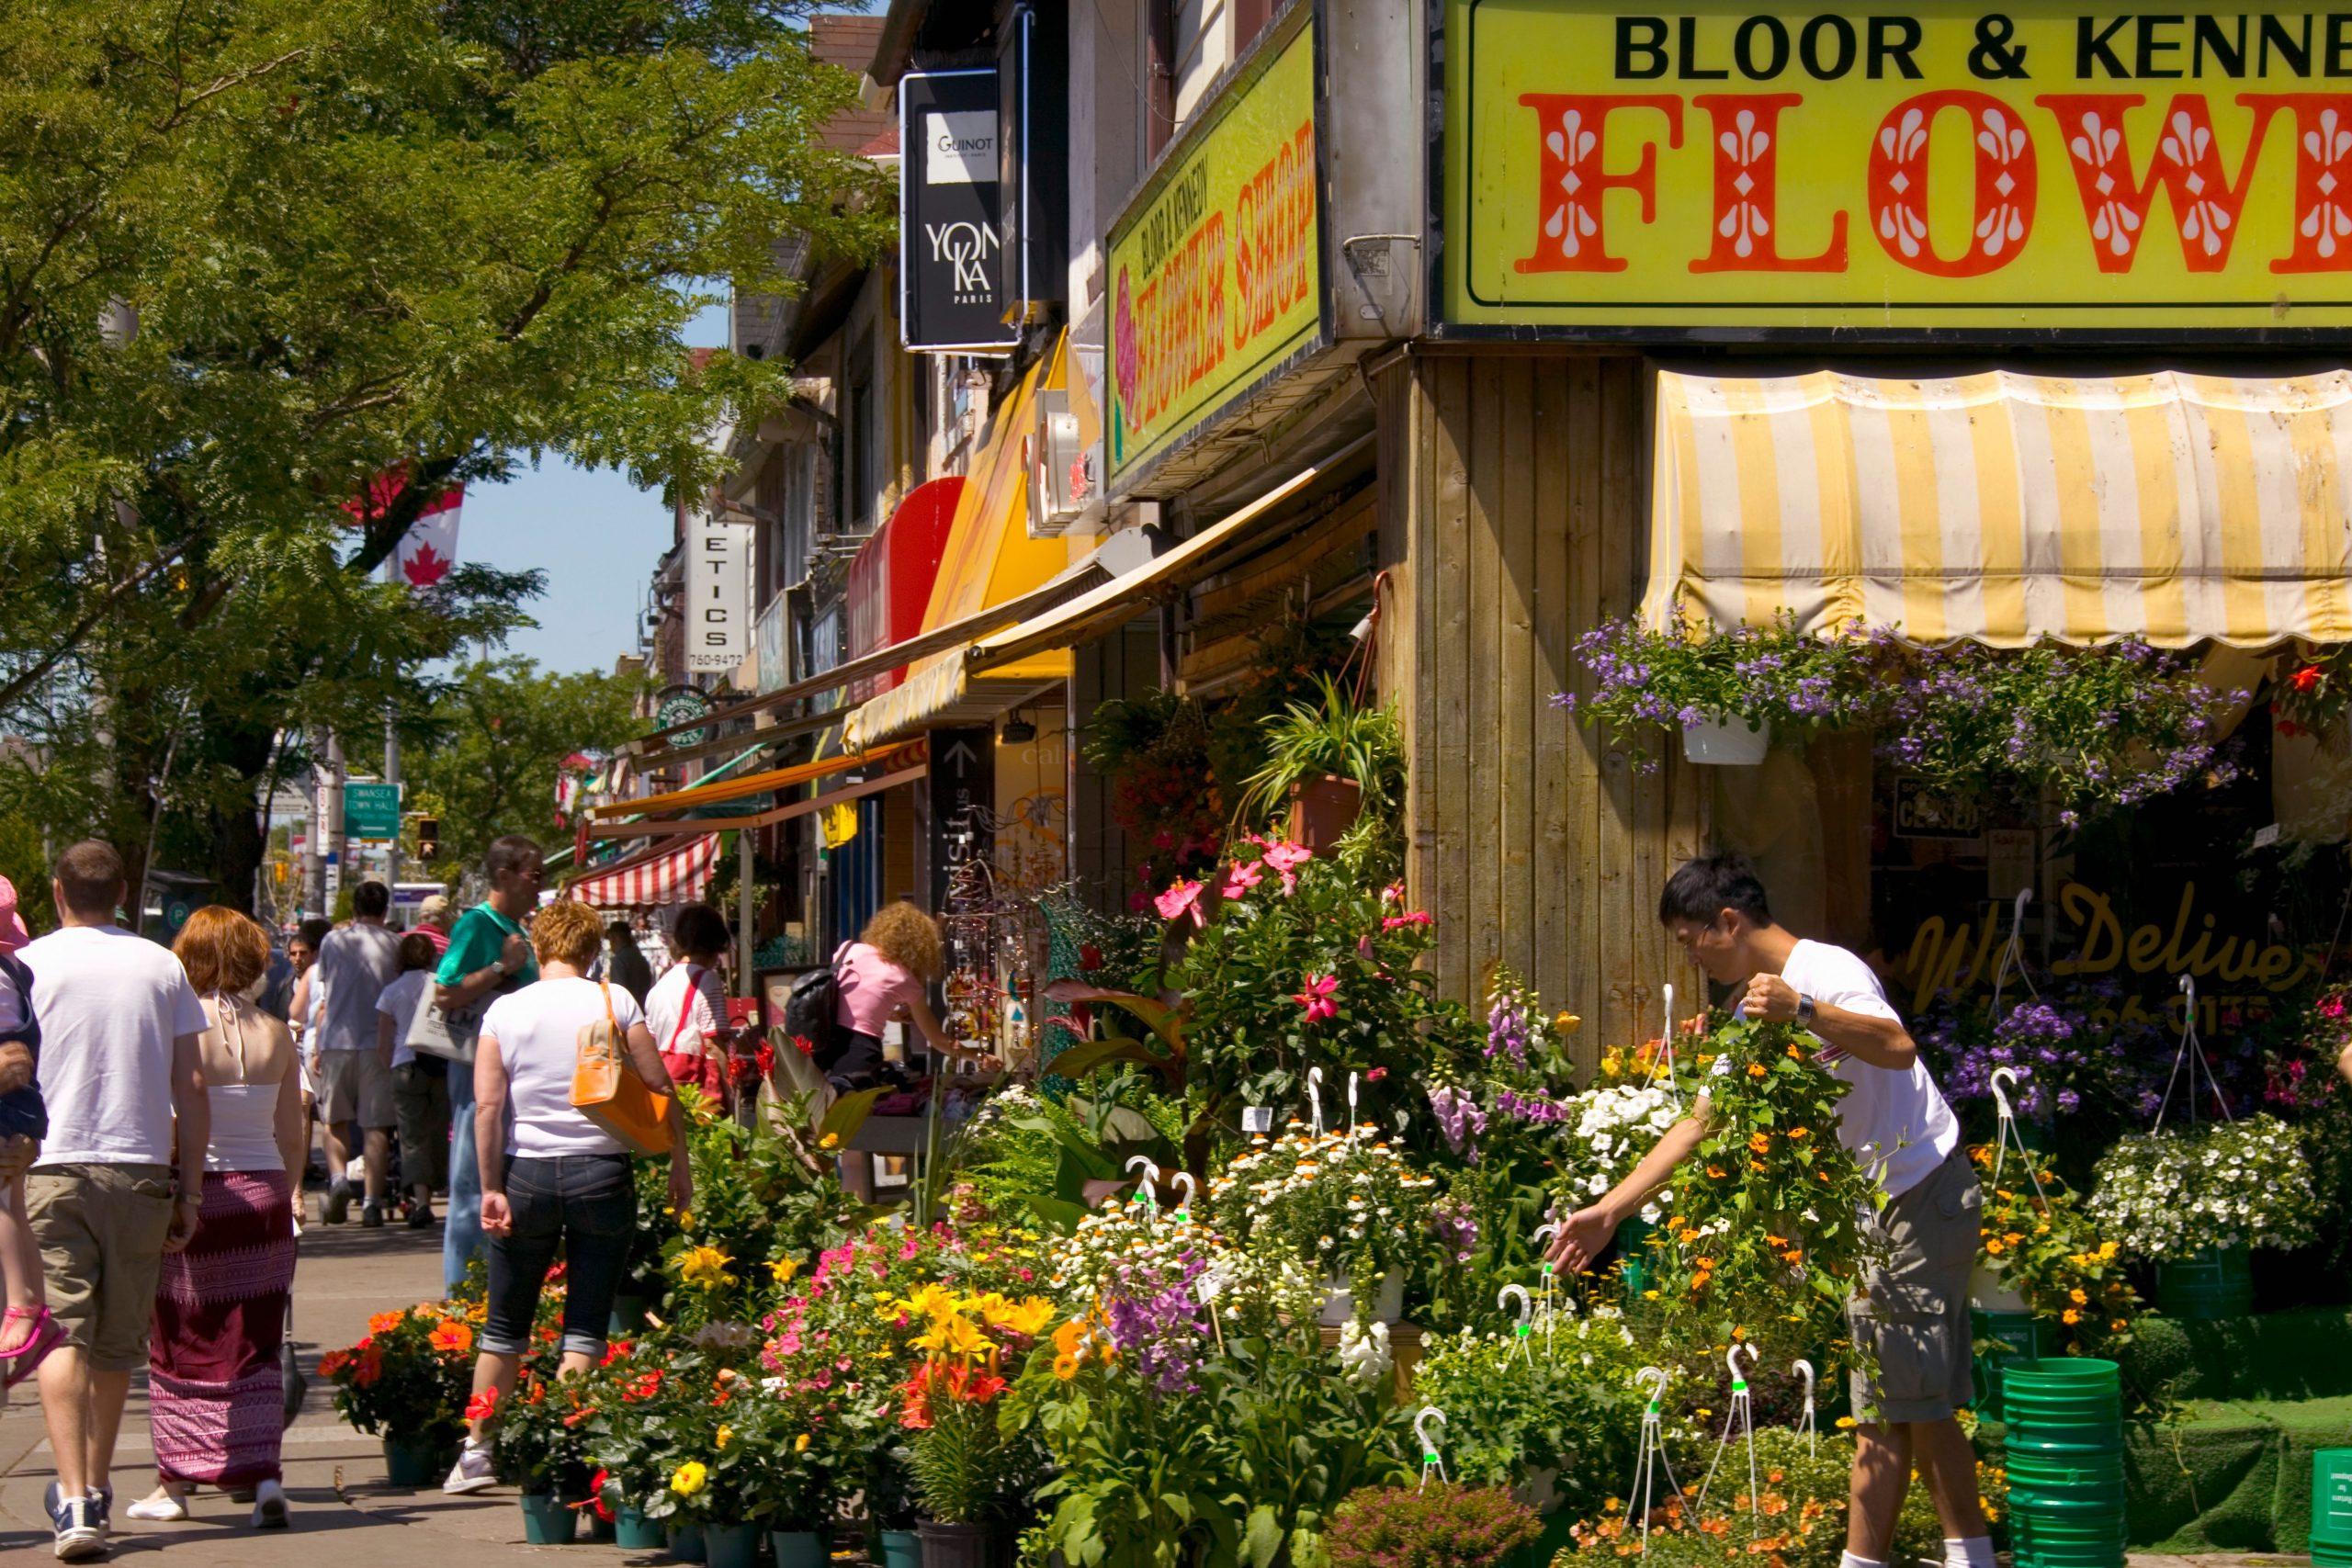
x=1753, y=169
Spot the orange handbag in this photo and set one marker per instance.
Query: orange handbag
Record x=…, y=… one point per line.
x=606, y=1091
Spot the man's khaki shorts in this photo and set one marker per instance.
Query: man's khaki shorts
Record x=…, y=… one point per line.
x=355, y=1086
x=1914, y=1309
x=102, y=1229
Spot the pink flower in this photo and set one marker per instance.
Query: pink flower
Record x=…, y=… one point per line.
x=1412, y=918
x=1317, y=997
x=1375, y=1075
x=1241, y=879
x=1288, y=857
x=1183, y=898
x=1393, y=894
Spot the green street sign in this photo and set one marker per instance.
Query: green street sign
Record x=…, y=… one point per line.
x=371, y=810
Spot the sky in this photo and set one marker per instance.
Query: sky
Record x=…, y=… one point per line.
x=596, y=536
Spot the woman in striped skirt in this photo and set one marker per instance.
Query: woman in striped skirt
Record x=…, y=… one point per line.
x=215, y=1397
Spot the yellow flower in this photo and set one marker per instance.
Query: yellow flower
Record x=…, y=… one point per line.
x=2118, y=1326
x=830, y=1141
x=1027, y=1318
x=934, y=1300
x=690, y=1478
x=1845, y=1420
x=725, y=1432
x=1566, y=1023
x=704, y=1268
x=954, y=1334
x=801, y=1444
x=2070, y=1318
x=2079, y=1298
x=784, y=1268
x=1755, y=1069
x=2106, y=1250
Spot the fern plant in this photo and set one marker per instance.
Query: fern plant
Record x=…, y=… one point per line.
x=1336, y=735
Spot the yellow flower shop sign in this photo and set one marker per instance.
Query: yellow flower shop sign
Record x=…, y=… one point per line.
x=1895, y=170
x=1215, y=269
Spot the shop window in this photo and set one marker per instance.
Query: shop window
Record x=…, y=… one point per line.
x=862, y=437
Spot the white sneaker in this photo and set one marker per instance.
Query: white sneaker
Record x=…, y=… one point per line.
x=471, y=1472
x=269, y=1506
x=160, y=1507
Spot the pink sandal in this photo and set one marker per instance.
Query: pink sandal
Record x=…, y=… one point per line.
x=47, y=1335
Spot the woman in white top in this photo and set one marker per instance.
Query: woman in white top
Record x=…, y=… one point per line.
x=215, y=1398
x=551, y=1179
x=686, y=1009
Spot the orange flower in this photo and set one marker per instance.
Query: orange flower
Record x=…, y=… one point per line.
x=1760, y=1143
x=1716, y=1172
x=1755, y=1069
x=385, y=1322
x=453, y=1337
x=1993, y=1248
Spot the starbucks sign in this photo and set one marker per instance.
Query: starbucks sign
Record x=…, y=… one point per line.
x=682, y=705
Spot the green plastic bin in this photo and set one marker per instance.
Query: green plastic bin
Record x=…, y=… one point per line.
x=2215, y=1283
x=2332, y=1508
x=2019, y=1335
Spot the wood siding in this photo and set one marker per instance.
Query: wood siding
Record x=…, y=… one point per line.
x=1512, y=520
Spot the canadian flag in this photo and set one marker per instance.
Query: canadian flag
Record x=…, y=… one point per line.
x=429, y=548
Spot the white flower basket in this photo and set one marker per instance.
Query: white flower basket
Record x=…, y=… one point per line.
x=1727, y=742
x=1340, y=1301
x=1988, y=1290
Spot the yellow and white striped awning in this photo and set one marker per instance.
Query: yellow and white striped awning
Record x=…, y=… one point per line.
x=2009, y=508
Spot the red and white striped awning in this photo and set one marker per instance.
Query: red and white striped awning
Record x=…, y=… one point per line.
x=674, y=874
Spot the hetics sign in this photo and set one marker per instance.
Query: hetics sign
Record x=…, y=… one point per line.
x=951, y=264
x=1924, y=167
x=1216, y=275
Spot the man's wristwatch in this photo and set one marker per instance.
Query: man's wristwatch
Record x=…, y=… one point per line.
x=1804, y=1010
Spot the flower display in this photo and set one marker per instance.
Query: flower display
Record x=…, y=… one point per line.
x=1345, y=1203
x=2171, y=1194
x=2038, y=1240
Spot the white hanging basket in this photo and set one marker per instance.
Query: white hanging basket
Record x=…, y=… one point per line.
x=1988, y=1290
x=1727, y=742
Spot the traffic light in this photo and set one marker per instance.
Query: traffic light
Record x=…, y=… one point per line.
x=428, y=838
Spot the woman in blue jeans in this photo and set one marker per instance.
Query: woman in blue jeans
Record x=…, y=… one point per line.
x=553, y=1181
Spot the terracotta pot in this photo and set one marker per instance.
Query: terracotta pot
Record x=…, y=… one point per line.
x=1322, y=809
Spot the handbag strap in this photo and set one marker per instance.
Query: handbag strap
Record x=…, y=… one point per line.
x=686, y=1008
x=612, y=1024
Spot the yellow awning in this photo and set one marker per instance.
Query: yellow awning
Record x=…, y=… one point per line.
x=1115, y=603
x=2009, y=508
x=737, y=788
x=990, y=560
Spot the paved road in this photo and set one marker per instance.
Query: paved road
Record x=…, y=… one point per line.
x=333, y=1476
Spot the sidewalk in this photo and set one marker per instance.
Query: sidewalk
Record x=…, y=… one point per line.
x=334, y=1476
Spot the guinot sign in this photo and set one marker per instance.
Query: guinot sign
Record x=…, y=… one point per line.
x=1896, y=170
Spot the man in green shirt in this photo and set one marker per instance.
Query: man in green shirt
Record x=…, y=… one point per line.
x=488, y=952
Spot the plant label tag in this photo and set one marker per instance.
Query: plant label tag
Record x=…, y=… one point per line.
x=2265, y=837
x=1261, y=1117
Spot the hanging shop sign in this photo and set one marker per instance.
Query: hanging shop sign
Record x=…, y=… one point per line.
x=963, y=801
x=1894, y=171
x=1032, y=163
x=682, y=705
x=1216, y=267
x=951, y=259
x=718, y=592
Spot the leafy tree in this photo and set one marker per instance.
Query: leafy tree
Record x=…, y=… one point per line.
x=255, y=255
x=501, y=730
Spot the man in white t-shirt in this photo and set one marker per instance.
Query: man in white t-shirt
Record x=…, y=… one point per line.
x=119, y=1024
x=354, y=1083
x=1913, y=1309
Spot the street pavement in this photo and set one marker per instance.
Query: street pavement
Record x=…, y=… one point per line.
x=342, y=1511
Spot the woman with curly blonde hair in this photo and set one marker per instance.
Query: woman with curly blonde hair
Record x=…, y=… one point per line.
x=880, y=976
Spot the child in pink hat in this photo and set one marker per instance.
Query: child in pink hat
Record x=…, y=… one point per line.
x=27, y=1332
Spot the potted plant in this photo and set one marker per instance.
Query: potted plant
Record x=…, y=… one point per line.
x=408, y=1381
x=1329, y=763
x=539, y=1447
x=1441, y=1526
x=707, y=1460
x=2193, y=1200
x=1343, y=1203
x=971, y=1474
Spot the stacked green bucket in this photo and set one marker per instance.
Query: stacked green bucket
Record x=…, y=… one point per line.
x=2332, y=1508
x=2065, y=1459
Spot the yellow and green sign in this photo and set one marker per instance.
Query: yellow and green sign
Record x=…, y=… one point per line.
x=1721, y=169
x=1216, y=275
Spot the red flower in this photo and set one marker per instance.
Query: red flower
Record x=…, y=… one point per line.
x=807, y=1047
x=483, y=1405
x=764, y=1059
x=1089, y=955
x=2310, y=675
x=615, y=1351
x=596, y=1498
x=1317, y=997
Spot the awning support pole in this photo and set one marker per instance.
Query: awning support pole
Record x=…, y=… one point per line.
x=743, y=918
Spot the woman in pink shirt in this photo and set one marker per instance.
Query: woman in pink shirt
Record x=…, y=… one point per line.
x=884, y=976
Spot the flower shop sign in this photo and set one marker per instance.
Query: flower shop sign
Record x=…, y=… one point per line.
x=1216, y=266
x=1962, y=957
x=1896, y=170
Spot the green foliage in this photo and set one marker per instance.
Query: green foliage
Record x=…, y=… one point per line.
x=1563, y=1399
x=268, y=250
x=500, y=731
x=1442, y=1527
x=1025, y=1153
x=1332, y=735
x=1247, y=1469
x=971, y=1466
x=409, y=1377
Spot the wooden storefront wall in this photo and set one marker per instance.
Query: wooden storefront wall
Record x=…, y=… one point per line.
x=1512, y=519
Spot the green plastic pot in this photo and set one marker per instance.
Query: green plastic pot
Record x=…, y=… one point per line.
x=733, y=1546
x=1633, y=1248
x=412, y=1464
x=686, y=1543
x=634, y=1532
x=549, y=1520
x=902, y=1548
x=799, y=1549
x=2215, y=1283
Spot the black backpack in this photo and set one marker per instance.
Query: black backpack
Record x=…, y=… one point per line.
x=810, y=1009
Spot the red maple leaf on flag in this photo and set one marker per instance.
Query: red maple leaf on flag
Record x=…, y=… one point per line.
x=426, y=568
